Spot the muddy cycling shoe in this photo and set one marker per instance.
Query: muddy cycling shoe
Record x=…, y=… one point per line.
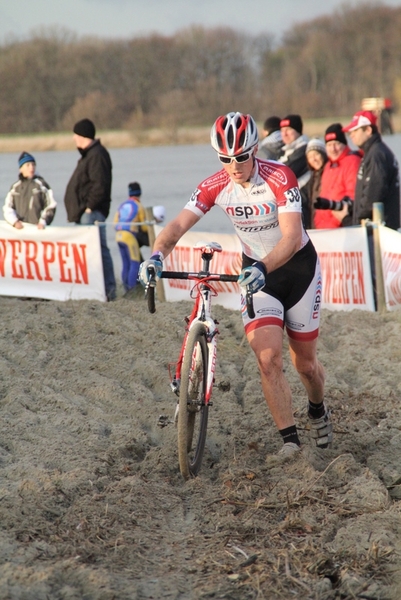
x=321, y=431
x=286, y=453
x=288, y=450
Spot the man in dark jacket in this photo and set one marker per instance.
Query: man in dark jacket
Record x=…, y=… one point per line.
x=88, y=195
x=293, y=153
x=378, y=175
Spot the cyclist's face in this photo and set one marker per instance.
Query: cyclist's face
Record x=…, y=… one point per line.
x=241, y=172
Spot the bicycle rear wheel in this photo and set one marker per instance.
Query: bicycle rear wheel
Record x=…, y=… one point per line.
x=193, y=412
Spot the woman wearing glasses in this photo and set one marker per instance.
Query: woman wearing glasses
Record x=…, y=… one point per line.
x=280, y=266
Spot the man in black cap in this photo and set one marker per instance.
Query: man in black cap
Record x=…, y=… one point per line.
x=272, y=143
x=88, y=195
x=293, y=153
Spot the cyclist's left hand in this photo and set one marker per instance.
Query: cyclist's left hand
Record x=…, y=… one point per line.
x=253, y=277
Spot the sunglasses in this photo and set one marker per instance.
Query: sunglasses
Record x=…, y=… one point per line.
x=240, y=158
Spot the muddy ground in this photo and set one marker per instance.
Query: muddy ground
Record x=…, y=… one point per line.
x=92, y=504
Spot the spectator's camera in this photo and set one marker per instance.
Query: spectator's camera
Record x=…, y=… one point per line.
x=324, y=204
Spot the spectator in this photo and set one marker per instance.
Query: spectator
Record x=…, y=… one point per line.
x=272, y=143
x=87, y=197
x=338, y=180
x=130, y=236
x=293, y=152
x=30, y=199
x=378, y=175
x=316, y=157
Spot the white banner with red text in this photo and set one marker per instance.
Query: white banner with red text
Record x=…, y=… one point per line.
x=390, y=245
x=56, y=263
x=343, y=253
x=185, y=257
x=345, y=264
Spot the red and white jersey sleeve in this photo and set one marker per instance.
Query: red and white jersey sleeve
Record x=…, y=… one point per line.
x=254, y=210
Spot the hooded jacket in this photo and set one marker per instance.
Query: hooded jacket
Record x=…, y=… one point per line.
x=90, y=183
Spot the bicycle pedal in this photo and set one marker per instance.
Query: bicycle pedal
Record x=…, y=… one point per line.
x=175, y=386
x=163, y=421
x=224, y=386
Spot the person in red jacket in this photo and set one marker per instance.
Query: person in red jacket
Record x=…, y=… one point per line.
x=338, y=181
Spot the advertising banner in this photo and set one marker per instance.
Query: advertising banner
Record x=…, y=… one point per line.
x=346, y=273
x=56, y=263
x=390, y=245
x=343, y=253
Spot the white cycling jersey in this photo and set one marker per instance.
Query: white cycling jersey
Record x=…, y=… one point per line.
x=253, y=210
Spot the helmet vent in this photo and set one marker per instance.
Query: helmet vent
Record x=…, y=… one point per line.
x=230, y=136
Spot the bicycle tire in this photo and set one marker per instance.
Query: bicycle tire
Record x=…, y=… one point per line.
x=192, y=411
x=150, y=298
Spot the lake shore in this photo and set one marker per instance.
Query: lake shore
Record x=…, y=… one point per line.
x=43, y=142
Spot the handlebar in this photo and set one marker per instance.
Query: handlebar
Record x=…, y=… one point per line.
x=150, y=288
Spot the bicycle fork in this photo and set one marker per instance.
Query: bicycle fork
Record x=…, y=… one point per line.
x=211, y=340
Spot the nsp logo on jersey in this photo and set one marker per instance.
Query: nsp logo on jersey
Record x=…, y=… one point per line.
x=251, y=210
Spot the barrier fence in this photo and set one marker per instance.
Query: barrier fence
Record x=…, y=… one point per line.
x=62, y=263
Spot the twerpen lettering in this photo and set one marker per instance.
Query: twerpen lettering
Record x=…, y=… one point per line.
x=44, y=261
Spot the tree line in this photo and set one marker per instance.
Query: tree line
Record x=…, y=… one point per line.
x=319, y=68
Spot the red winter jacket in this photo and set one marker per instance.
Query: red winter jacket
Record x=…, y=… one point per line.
x=338, y=180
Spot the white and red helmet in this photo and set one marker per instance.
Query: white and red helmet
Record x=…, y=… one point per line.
x=234, y=133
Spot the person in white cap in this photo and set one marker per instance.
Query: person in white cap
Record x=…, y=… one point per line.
x=378, y=175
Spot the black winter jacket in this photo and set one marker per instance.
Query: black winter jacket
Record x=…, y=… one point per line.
x=90, y=183
x=377, y=181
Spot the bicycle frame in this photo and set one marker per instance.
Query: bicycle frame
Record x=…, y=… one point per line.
x=201, y=312
x=194, y=371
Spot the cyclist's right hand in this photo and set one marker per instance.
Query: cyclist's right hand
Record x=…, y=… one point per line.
x=151, y=268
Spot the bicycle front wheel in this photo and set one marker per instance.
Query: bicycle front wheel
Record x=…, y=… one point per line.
x=192, y=410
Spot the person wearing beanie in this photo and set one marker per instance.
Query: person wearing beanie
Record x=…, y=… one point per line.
x=338, y=180
x=293, y=152
x=316, y=157
x=131, y=235
x=30, y=199
x=272, y=142
x=85, y=128
x=87, y=197
x=378, y=175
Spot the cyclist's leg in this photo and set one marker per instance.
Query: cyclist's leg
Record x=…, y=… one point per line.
x=310, y=370
x=265, y=336
x=303, y=330
x=267, y=344
x=302, y=321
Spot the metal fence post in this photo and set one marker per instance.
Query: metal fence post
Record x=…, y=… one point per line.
x=378, y=218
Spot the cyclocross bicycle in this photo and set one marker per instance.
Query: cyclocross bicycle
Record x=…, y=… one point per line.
x=193, y=376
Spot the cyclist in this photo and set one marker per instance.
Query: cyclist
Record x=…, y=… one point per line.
x=280, y=266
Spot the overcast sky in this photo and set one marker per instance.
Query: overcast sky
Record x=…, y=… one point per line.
x=130, y=18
